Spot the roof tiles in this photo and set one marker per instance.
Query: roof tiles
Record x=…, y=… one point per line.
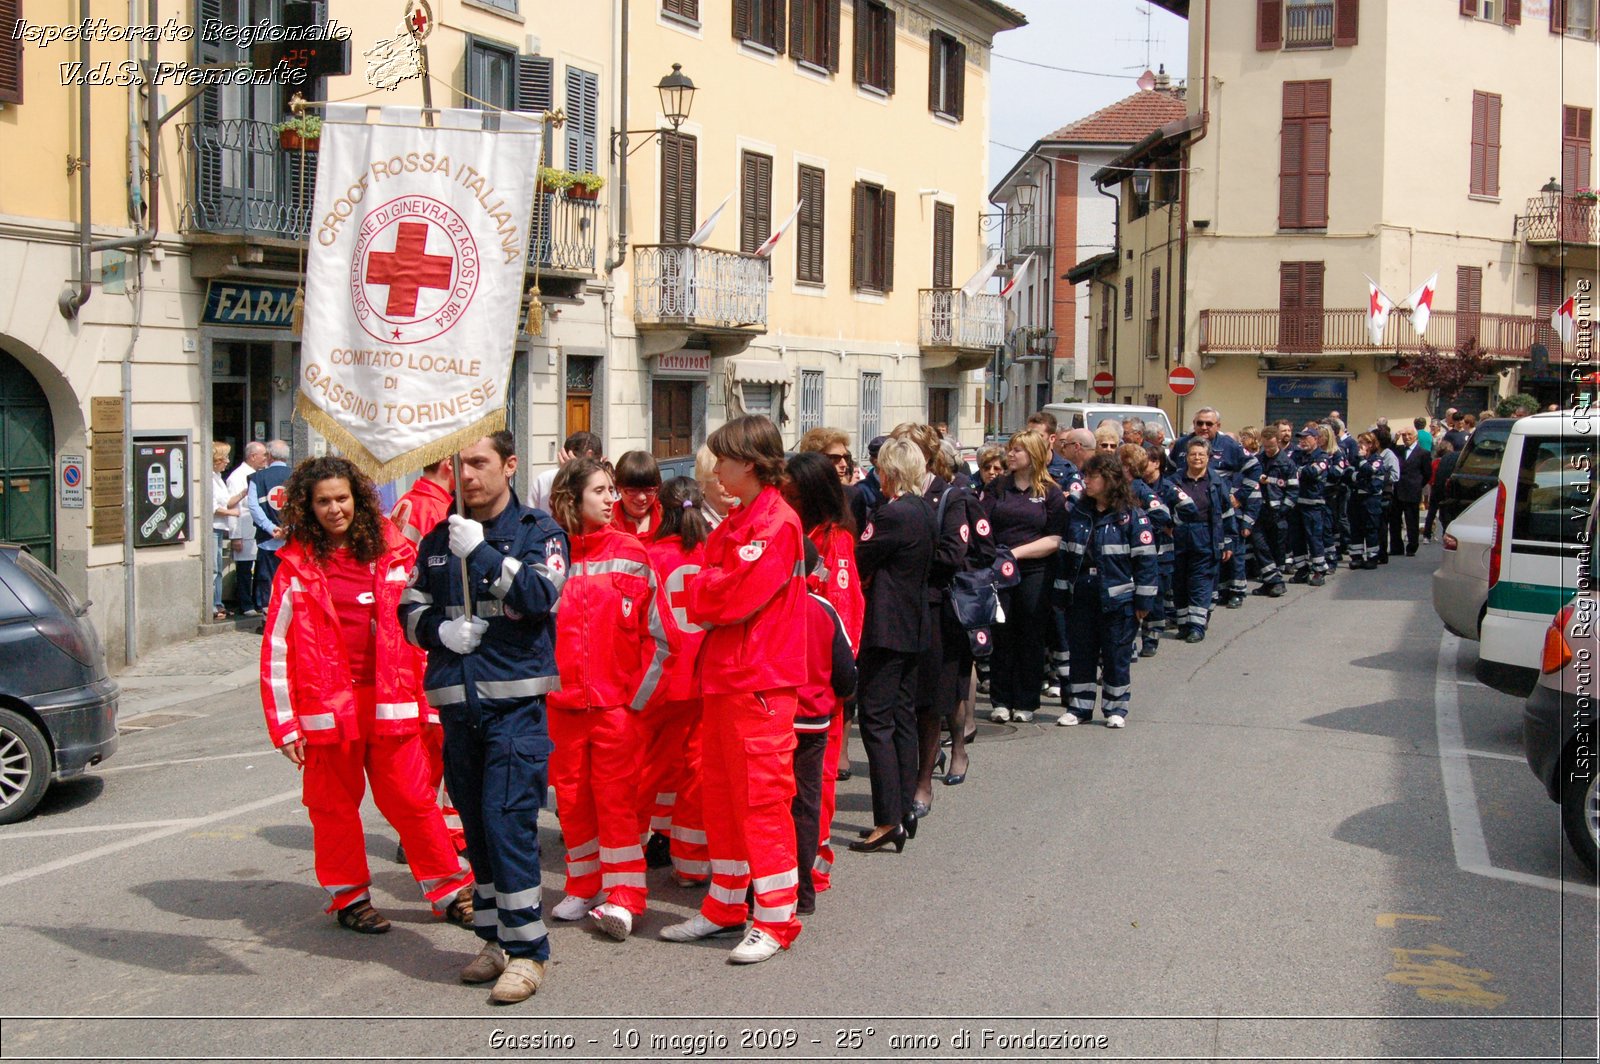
x=1127, y=121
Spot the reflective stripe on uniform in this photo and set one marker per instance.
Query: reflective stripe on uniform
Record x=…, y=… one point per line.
x=622, y=879
x=620, y=854
x=726, y=895
x=397, y=711
x=730, y=868
x=780, y=915
x=585, y=849
x=509, y=568
x=776, y=882
x=519, y=899
x=317, y=722
x=614, y=565
x=530, y=932
x=689, y=835
x=531, y=687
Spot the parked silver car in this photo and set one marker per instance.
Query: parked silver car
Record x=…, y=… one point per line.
x=1558, y=719
x=1461, y=583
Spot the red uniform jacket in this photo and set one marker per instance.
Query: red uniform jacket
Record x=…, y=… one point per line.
x=306, y=689
x=831, y=668
x=751, y=596
x=674, y=568
x=424, y=506
x=842, y=584
x=611, y=647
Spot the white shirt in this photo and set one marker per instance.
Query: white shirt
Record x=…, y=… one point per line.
x=237, y=481
x=539, y=490
x=219, y=501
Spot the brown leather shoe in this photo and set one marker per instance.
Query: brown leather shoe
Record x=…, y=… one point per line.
x=486, y=966
x=519, y=982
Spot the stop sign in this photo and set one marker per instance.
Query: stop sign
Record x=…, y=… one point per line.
x=1181, y=380
x=1400, y=376
x=1104, y=383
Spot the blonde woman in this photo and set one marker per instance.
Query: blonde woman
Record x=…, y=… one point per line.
x=716, y=500
x=224, y=508
x=1027, y=514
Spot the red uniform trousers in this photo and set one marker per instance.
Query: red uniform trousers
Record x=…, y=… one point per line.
x=332, y=786
x=433, y=747
x=748, y=779
x=822, y=867
x=595, y=770
x=669, y=783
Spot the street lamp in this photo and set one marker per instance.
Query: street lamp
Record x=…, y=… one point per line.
x=677, y=96
x=1027, y=196
x=1141, y=183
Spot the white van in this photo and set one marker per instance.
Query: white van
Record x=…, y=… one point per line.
x=1542, y=503
x=1088, y=415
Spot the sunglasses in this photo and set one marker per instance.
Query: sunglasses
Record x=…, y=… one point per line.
x=839, y=459
x=1203, y=424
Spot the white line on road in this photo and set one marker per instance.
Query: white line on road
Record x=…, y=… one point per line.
x=87, y=829
x=101, y=770
x=140, y=840
x=1466, y=829
x=1494, y=755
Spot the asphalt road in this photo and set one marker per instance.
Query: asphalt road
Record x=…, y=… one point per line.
x=1273, y=860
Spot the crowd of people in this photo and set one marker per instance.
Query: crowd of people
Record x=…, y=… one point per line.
x=680, y=660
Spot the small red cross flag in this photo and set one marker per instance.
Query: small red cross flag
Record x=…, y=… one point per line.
x=414, y=281
x=707, y=227
x=765, y=250
x=1016, y=277
x=1422, y=303
x=1564, y=320
x=1378, y=307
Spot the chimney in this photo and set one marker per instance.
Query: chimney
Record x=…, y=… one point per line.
x=1163, y=82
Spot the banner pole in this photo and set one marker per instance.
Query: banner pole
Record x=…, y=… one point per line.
x=466, y=582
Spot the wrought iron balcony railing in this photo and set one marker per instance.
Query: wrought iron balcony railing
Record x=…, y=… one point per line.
x=1563, y=220
x=1345, y=330
x=950, y=318
x=241, y=183
x=563, y=235
x=1308, y=24
x=696, y=287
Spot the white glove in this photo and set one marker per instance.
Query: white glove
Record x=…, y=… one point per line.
x=463, y=634
x=465, y=535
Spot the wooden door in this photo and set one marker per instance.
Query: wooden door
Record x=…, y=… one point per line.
x=578, y=414
x=672, y=419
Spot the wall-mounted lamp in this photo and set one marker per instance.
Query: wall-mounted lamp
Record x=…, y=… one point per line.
x=1141, y=183
x=677, y=98
x=1027, y=196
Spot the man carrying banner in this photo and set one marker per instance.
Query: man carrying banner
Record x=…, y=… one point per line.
x=488, y=673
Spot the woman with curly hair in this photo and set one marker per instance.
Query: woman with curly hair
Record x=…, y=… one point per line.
x=342, y=696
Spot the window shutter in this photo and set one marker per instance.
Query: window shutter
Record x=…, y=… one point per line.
x=888, y=50
x=935, y=67
x=1491, y=145
x=755, y=201
x=10, y=53
x=1269, y=25
x=1548, y=297
x=861, y=31
x=1289, y=306
x=677, y=187
x=1469, y=8
x=833, y=35
x=944, y=241
x=687, y=9
x=1304, y=155
x=776, y=20
x=1317, y=158
x=1311, y=302
x=1127, y=299
x=536, y=78
x=1155, y=293
x=742, y=29
x=1291, y=157
x=1576, y=123
x=1480, y=119
x=887, y=245
x=1346, y=22
x=583, y=120
x=959, y=75
x=1469, y=302
x=1513, y=12
x=809, y=226
x=797, y=28
x=858, y=235
x=1558, y=16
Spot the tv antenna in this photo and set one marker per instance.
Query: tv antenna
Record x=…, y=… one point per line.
x=1149, y=40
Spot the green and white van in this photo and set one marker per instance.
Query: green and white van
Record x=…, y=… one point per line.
x=1541, y=512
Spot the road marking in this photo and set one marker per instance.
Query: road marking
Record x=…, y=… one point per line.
x=1495, y=756
x=90, y=828
x=140, y=840
x=1390, y=919
x=101, y=770
x=1461, y=800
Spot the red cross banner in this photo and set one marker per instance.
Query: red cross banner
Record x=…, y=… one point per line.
x=419, y=239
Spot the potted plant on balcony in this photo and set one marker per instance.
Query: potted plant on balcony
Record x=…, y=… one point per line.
x=553, y=180
x=585, y=186
x=303, y=132
x=1586, y=195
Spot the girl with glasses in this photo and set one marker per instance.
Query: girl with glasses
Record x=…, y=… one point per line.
x=639, y=484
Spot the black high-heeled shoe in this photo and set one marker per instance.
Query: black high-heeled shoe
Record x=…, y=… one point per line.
x=939, y=762
x=895, y=838
x=909, y=826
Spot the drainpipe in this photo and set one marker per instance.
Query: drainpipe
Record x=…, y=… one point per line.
x=1183, y=195
x=622, y=151
x=1116, y=249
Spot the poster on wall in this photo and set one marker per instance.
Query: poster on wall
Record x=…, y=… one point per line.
x=161, y=491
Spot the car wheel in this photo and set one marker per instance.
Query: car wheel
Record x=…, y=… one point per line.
x=1580, y=815
x=24, y=766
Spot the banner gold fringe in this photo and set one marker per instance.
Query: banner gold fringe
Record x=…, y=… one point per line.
x=411, y=461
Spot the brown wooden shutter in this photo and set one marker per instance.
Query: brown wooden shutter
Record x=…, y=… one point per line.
x=959, y=75
x=10, y=53
x=859, y=240
x=755, y=201
x=935, y=67
x=944, y=245
x=1469, y=302
x=1300, y=306
x=1491, y=145
x=1155, y=294
x=1513, y=12
x=1311, y=303
x=1291, y=158
x=888, y=50
x=742, y=28
x=689, y=9
x=1269, y=25
x=1548, y=297
x=797, y=29
x=1576, y=123
x=810, y=233
x=778, y=23
x=833, y=36
x=1480, y=120
x=887, y=242
x=678, y=159
x=861, y=32
x=1304, y=162
x=1346, y=22
x=1469, y=8
x=1558, y=16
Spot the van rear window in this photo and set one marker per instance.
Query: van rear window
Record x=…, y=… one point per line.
x=1483, y=455
x=1555, y=490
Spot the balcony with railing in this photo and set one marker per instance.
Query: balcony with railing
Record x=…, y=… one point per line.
x=1344, y=331
x=1308, y=24
x=242, y=184
x=1559, y=219
x=1024, y=234
x=958, y=329
x=563, y=234
x=699, y=289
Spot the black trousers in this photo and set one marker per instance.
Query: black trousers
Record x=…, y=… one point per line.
x=944, y=666
x=1017, y=666
x=244, y=585
x=266, y=569
x=886, y=711
x=1403, y=513
x=807, y=807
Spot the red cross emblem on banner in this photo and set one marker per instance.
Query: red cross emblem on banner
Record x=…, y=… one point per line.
x=414, y=271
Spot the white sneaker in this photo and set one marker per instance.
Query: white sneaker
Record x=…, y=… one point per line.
x=1116, y=721
x=1000, y=714
x=614, y=920
x=1022, y=716
x=573, y=907
x=1053, y=691
x=1067, y=720
x=698, y=927
x=756, y=947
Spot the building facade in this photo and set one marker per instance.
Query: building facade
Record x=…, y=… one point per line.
x=1328, y=141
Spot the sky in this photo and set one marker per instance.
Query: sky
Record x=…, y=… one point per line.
x=1102, y=36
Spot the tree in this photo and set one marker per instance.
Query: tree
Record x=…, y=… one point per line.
x=1449, y=371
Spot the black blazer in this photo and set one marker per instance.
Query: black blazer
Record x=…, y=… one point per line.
x=893, y=557
x=1413, y=474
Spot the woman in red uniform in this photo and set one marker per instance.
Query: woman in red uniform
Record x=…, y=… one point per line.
x=342, y=696
x=639, y=484
x=610, y=649
x=751, y=597
x=812, y=486
x=669, y=778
